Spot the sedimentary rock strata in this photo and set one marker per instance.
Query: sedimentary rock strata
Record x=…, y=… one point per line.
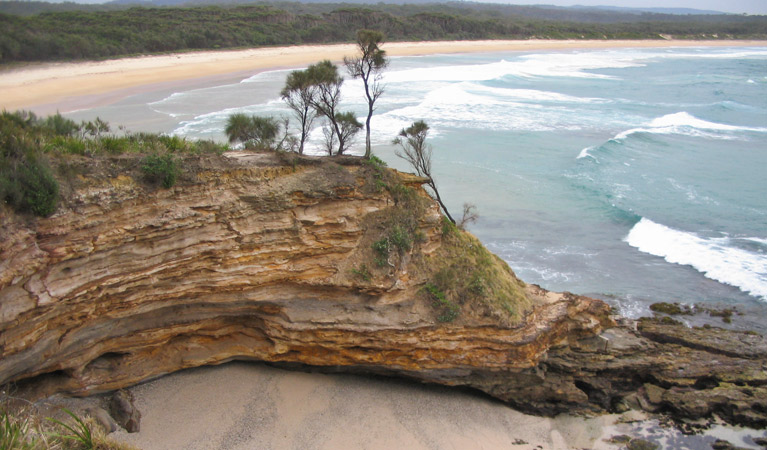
x=322, y=264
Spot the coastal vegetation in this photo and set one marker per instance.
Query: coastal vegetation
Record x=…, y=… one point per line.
x=22, y=430
x=254, y=131
x=297, y=94
x=368, y=66
x=32, y=32
x=66, y=154
x=34, y=150
x=415, y=150
x=316, y=92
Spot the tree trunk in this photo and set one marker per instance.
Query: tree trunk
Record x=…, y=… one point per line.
x=433, y=187
x=341, y=143
x=367, y=131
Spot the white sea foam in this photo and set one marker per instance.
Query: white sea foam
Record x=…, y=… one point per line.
x=708, y=53
x=574, y=65
x=585, y=153
x=213, y=122
x=682, y=123
x=455, y=105
x=684, y=119
x=172, y=96
x=713, y=257
x=762, y=241
x=532, y=95
x=267, y=75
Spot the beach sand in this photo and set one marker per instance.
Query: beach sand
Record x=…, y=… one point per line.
x=248, y=405
x=51, y=87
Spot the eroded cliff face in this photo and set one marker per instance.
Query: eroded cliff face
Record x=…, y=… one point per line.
x=321, y=263
x=253, y=258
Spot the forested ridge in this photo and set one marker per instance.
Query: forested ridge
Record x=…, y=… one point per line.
x=104, y=31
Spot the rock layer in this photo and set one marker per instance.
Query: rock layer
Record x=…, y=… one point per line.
x=255, y=258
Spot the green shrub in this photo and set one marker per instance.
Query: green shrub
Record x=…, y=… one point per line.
x=40, y=188
x=379, y=176
x=252, y=131
x=448, y=227
x=114, y=145
x=173, y=143
x=61, y=126
x=381, y=251
x=477, y=285
x=161, y=169
x=448, y=310
x=210, y=147
x=400, y=238
x=362, y=273
x=29, y=186
x=376, y=162
x=66, y=145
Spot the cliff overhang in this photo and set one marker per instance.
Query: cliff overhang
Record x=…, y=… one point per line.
x=332, y=263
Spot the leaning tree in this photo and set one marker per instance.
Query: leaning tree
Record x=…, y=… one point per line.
x=415, y=150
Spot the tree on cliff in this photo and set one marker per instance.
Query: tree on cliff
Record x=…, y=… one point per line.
x=418, y=153
x=297, y=94
x=260, y=132
x=326, y=96
x=368, y=66
x=254, y=131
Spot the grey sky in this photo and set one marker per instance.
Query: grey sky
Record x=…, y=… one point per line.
x=731, y=6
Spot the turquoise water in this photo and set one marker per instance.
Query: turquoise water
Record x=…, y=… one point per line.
x=634, y=175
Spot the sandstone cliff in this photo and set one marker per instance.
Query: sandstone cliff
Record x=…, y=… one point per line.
x=324, y=263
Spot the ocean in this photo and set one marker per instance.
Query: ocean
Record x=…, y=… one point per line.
x=631, y=175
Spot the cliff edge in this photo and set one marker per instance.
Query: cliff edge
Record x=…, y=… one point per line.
x=332, y=263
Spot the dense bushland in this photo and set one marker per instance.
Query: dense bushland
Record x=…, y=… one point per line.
x=104, y=33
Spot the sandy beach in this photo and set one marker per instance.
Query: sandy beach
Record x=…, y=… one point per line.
x=245, y=406
x=50, y=87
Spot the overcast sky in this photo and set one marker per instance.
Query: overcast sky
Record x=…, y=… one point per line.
x=730, y=6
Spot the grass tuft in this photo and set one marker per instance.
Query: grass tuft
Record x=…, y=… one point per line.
x=79, y=432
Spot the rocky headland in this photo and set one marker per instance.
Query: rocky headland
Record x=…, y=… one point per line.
x=333, y=264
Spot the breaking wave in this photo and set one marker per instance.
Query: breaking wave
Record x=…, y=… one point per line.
x=715, y=258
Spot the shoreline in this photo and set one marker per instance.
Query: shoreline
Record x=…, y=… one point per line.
x=49, y=87
x=270, y=407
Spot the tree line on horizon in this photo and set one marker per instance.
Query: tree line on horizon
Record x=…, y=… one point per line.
x=105, y=33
